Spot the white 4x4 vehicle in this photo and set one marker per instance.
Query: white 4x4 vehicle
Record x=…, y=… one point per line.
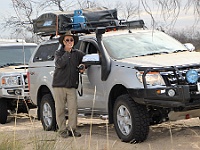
x=14, y=57
x=139, y=77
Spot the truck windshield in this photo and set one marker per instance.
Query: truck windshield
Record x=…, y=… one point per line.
x=141, y=43
x=15, y=54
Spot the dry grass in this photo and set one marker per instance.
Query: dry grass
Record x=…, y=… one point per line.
x=25, y=135
x=198, y=50
x=161, y=136
x=44, y=142
x=166, y=136
x=8, y=143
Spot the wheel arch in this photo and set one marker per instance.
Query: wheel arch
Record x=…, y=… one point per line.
x=41, y=92
x=116, y=91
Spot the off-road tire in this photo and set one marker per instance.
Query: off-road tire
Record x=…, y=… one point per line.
x=3, y=111
x=47, y=113
x=137, y=120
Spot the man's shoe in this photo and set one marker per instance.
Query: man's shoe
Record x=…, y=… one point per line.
x=63, y=134
x=74, y=133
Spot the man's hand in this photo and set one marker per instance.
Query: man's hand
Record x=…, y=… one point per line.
x=81, y=68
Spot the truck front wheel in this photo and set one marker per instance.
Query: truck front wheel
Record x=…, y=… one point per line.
x=3, y=111
x=131, y=120
x=47, y=113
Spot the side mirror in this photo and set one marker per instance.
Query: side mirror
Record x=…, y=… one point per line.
x=190, y=47
x=91, y=59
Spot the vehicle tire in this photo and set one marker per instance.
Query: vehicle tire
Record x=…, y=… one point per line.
x=3, y=111
x=47, y=113
x=131, y=120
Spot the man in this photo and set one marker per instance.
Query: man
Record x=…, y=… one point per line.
x=65, y=83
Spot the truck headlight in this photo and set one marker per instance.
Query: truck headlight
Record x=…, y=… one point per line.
x=152, y=78
x=9, y=80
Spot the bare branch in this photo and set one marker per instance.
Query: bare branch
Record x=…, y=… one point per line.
x=169, y=10
x=47, y=3
x=148, y=10
x=130, y=9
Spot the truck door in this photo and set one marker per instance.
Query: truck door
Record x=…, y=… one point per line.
x=92, y=84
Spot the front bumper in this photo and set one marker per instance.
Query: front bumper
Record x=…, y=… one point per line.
x=14, y=93
x=19, y=91
x=160, y=97
x=186, y=95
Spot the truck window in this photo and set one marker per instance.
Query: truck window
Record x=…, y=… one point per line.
x=46, y=52
x=15, y=54
x=92, y=49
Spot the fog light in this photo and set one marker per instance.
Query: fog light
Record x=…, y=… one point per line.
x=192, y=76
x=18, y=92
x=171, y=92
x=10, y=91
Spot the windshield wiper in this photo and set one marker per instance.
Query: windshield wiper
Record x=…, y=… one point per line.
x=156, y=53
x=10, y=64
x=14, y=64
x=4, y=65
x=176, y=51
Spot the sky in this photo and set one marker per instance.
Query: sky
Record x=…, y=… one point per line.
x=184, y=21
x=5, y=10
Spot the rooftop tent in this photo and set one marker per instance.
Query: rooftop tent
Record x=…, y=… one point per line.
x=50, y=23
x=55, y=23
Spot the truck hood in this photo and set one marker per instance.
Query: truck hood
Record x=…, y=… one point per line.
x=161, y=60
x=14, y=69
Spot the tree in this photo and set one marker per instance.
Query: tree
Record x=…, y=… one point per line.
x=170, y=10
x=130, y=10
x=23, y=9
x=187, y=36
x=21, y=23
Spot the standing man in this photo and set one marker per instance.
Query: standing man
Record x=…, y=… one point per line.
x=65, y=83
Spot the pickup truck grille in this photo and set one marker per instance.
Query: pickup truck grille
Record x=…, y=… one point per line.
x=22, y=81
x=176, y=76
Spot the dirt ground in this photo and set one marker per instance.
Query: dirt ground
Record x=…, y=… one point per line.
x=24, y=133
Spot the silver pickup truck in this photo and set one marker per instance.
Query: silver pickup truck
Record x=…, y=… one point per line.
x=14, y=92
x=136, y=77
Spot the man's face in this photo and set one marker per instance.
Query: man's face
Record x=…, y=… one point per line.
x=68, y=42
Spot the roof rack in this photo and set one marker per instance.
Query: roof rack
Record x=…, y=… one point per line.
x=133, y=24
x=81, y=21
x=12, y=41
